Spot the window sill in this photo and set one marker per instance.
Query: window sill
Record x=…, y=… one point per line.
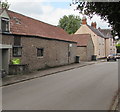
x=40, y=57
x=17, y=46
x=17, y=56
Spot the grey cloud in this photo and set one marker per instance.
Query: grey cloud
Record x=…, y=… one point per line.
x=27, y=8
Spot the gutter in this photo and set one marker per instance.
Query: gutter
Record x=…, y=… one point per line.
x=47, y=38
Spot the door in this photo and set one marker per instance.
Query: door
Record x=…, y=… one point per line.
x=5, y=64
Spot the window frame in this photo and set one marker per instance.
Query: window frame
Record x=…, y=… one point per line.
x=7, y=25
x=41, y=52
x=17, y=55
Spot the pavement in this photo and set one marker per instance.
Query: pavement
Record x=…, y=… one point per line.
x=12, y=79
x=115, y=106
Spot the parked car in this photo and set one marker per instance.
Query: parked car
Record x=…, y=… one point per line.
x=111, y=57
x=118, y=56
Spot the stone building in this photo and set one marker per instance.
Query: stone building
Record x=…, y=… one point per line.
x=110, y=42
x=4, y=48
x=35, y=44
x=85, y=46
x=97, y=37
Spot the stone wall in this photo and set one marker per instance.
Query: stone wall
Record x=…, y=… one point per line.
x=55, y=52
x=90, y=50
x=86, y=52
x=82, y=52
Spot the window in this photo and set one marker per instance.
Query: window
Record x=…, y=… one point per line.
x=5, y=25
x=103, y=42
x=110, y=51
x=99, y=51
x=17, y=51
x=110, y=41
x=40, y=52
x=17, y=48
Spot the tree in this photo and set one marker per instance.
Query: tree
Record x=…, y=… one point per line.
x=4, y=5
x=107, y=10
x=118, y=46
x=70, y=23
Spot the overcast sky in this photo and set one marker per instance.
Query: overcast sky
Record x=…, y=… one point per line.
x=49, y=11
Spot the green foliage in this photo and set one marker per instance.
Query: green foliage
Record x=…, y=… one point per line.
x=70, y=23
x=4, y=5
x=107, y=10
x=118, y=45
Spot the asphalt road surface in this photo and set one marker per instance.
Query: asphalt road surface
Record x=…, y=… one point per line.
x=88, y=88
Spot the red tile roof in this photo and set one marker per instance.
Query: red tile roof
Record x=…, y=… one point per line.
x=23, y=25
x=82, y=39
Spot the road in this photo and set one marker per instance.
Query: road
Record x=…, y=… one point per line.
x=88, y=88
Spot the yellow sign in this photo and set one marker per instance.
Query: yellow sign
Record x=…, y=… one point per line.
x=16, y=61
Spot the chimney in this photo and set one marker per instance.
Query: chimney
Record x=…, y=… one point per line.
x=99, y=28
x=94, y=25
x=84, y=20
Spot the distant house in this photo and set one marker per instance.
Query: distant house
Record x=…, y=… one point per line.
x=85, y=46
x=110, y=43
x=100, y=41
x=36, y=44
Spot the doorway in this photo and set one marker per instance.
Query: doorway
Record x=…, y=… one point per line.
x=4, y=57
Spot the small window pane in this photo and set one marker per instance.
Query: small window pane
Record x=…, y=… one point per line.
x=40, y=52
x=17, y=51
x=5, y=25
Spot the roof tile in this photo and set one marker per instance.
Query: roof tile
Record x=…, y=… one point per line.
x=82, y=39
x=23, y=25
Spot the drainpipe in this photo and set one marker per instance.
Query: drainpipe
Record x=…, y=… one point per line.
x=105, y=47
x=68, y=53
